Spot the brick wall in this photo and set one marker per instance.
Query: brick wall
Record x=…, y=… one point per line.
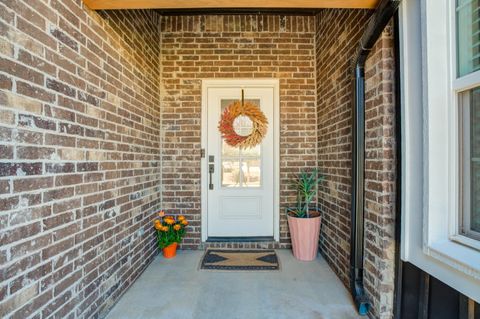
x=82, y=154
x=240, y=46
x=79, y=154
x=337, y=34
x=380, y=176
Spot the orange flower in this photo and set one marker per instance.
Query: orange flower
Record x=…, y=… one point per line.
x=169, y=220
x=181, y=217
x=164, y=228
x=161, y=213
x=184, y=222
x=177, y=227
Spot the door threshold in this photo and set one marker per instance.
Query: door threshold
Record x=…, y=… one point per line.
x=239, y=239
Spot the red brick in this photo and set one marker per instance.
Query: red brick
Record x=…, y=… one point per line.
x=34, y=92
x=21, y=71
x=20, y=233
x=32, y=184
x=20, y=169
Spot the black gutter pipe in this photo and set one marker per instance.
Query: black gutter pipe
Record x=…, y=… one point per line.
x=397, y=301
x=377, y=23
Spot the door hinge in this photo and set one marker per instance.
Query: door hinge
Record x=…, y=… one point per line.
x=202, y=153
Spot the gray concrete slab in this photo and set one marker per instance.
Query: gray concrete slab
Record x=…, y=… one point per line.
x=177, y=289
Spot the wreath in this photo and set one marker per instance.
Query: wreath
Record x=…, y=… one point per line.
x=236, y=109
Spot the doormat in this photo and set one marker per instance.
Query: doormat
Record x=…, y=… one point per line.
x=239, y=259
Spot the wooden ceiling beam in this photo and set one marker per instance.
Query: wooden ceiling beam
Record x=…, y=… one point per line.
x=224, y=4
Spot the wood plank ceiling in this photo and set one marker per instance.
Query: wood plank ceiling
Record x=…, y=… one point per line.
x=225, y=4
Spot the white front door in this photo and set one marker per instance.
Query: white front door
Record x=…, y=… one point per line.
x=239, y=182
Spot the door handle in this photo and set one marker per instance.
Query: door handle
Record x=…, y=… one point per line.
x=211, y=170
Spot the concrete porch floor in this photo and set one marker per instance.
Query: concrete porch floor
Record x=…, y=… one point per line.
x=177, y=289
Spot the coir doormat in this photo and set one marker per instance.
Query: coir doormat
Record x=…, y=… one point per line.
x=240, y=259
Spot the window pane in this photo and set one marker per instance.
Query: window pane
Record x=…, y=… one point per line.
x=241, y=167
x=468, y=36
x=254, y=151
x=470, y=110
x=475, y=159
x=229, y=151
x=243, y=125
x=230, y=173
x=251, y=172
x=475, y=216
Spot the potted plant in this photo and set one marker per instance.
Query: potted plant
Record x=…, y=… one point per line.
x=304, y=220
x=170, y=232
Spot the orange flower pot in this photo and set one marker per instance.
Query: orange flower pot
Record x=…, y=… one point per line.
x=170, y=251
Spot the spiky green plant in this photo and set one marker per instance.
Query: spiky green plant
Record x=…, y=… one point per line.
x=306, y=186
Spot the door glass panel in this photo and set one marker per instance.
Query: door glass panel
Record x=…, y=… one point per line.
x=254, y=151
x=229, y=151
x=243, y=125
x=230, y=173
x=251, y=172
x=233, y=158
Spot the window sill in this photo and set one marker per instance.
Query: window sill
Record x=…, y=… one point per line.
x=466, y=241
x=460, y=257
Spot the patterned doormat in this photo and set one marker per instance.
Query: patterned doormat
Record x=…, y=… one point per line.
x=240, y=259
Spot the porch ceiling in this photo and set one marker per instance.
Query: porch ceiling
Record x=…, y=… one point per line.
x=217, y=4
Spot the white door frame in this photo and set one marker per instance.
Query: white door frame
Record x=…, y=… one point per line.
x=239, y=83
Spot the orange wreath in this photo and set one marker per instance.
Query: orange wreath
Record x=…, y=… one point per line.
x=259, y=120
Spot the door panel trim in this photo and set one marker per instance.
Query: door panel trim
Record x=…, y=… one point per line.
x=239, y=83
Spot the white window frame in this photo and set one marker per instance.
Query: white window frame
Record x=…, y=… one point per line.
x=442, y=239
x=422, y=207
x=460, y=88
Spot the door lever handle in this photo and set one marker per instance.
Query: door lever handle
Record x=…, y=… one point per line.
x=211, y=170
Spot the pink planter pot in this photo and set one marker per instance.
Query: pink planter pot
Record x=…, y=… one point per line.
x=305, y=234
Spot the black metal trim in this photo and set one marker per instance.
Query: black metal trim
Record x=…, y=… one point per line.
x=239, y=239
x=379, y=20
x=463, y=310
x=424, y=296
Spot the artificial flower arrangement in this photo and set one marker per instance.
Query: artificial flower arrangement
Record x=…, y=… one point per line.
x=170, y=232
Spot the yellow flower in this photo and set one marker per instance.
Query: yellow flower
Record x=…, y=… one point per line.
x=181, y=217
x=158, y=226
x=177, y=227
x=184, y=222
x=161, y=213
x=169, y=220
x=164, y=228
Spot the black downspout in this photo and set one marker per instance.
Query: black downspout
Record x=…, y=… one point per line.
x=379, y=20
x=397, y=302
